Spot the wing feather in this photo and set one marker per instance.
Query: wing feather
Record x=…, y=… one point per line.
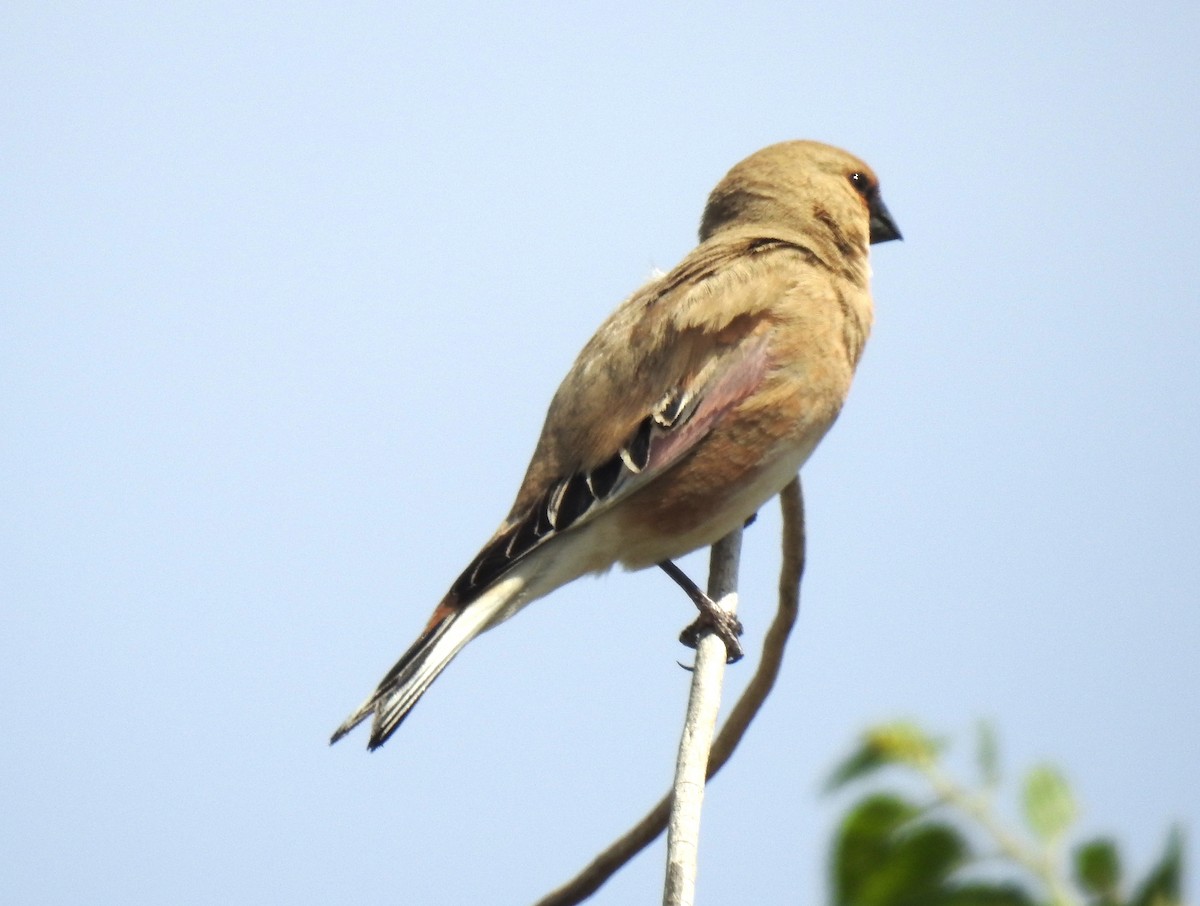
x=646, y=389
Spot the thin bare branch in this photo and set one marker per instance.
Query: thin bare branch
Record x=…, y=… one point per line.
x=704, y=701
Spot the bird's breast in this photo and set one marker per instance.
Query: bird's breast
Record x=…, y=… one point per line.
x=745, y=461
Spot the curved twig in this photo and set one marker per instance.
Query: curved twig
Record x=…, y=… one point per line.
x=637, y=838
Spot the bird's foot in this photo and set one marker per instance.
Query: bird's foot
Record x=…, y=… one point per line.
x=726, y=626
x=723, y=625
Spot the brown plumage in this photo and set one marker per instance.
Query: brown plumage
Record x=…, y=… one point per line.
x=694, y=403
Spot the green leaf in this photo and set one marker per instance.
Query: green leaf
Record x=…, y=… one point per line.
x=903, y=742
x=987, y=754
x=895, y=743
x=916, y=871
x=864, y=761
x=1098, y=868
x=1164, y=885
x=1049, y=805
x=987, y=895
x=864, y=841
x=886, y=855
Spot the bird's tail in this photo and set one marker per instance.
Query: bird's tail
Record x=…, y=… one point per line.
x=448, y=630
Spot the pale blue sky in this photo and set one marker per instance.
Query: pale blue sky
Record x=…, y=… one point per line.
x=286, y=290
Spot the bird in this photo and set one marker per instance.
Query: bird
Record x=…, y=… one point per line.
x=694, y=403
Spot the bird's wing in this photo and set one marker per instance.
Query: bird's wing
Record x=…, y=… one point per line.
x=652, y=383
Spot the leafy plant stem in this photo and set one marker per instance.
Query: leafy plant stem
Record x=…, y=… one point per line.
x=1043, y=865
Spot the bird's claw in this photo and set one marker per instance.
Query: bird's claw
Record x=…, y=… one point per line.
x=724, y=626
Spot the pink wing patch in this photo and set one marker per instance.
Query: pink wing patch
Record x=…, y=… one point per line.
x=737, y=381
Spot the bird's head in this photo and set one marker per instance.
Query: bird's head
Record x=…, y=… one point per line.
x=802, y=187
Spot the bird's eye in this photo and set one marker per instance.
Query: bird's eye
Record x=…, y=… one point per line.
x=862, y=184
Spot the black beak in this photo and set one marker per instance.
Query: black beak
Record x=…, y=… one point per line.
x=883, y=228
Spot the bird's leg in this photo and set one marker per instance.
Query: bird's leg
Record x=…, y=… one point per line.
x=726, y=626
